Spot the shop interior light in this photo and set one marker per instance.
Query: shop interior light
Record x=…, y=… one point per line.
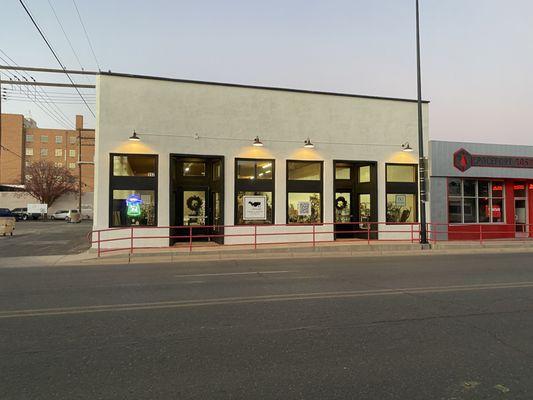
x=257, y=142
x=134, y=137
x=308, y=144
x=407, y=148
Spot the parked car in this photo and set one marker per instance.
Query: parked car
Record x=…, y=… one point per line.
x=67, y=215
x=60, y=214
x=21, y=213
x=73, y=216
x=6, y=212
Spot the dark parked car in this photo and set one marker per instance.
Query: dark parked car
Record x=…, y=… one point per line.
x=22, y=214
x=5, y=212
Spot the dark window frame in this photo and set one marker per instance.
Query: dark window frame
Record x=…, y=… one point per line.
x=402, y=188
x=461, y=197
x=254, y=185
x=132, y=183
x=303, y=186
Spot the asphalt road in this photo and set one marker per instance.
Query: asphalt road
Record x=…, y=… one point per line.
x=45, y=238
x=421, y=327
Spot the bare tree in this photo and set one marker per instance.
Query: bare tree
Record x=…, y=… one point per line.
x=47, y=182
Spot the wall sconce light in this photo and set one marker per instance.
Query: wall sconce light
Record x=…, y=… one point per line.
x=257, y=142
x=134, y=137
x=308, y=144
x=407, y=148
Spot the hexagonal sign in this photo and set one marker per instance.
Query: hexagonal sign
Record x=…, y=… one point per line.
x=462, y=160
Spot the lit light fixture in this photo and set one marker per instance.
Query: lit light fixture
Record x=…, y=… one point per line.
x=308, y=144
x=407, y=148
x=134, y=137
x=257, y=142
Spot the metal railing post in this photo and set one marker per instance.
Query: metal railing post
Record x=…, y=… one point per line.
x=255, y=237
x=480, y=234
x=131, y=240
x=314, y=232
x=412, y=234
x=368, y=232
x=190, y=239
x=98, y=243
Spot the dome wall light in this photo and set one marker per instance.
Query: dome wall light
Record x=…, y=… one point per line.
x=407, y=148
x=257, y=142
x=308, y=144
x=134, y=137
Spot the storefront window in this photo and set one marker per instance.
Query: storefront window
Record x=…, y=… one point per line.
x=194, y=168
x=364, y=174
x=304, y=171
x=133, y=186
x=342, y=172
x=254, y=192
x=254, y=208
x=402, y=193
x=401, y=208
x=133, y=207
x=254, y=169
x=401, y=173
x=134, y=165
x=475, y=201
x=519, y=189
x=304, y=192
x=304, y=208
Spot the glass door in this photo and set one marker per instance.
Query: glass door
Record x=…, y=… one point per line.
x=343, y=215
x=520, y=217
x=194, y=207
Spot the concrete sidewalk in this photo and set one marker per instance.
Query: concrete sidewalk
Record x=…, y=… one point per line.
x=329, y=250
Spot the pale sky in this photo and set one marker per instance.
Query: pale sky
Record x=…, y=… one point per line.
x=477, y=55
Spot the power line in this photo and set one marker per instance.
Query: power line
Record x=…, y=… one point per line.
x=56, y=114
x=65, y=34
x=55, y=55
x=86, y=34
x=63, y=116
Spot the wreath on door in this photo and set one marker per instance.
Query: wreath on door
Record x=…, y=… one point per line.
x=194, y=203
x=341, y=203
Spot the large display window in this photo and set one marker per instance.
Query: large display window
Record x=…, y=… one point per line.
x=254, y=191
x=402, y=193
x=133, y=190
x=475, y=201
x=304, y=192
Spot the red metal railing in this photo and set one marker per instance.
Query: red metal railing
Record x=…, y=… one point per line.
x=478, y=232
x=189, y=236
x=251, y=235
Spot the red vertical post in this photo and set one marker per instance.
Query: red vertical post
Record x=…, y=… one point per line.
x=314, y=231
x=480, y=234
x=190, y=239
x=412, y=234
x=368, y=233
x=98, y=243
x=131, y=240
x=255, y=237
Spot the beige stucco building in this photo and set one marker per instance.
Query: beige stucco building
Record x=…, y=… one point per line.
x=196, y=165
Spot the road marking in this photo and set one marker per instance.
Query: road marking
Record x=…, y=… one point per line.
x=257, y=299
x=234, y=273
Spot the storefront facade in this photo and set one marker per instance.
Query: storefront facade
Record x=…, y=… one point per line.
x=481, y=190
x=219, y=159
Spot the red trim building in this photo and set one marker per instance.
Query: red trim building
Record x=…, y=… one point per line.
x=481, y=191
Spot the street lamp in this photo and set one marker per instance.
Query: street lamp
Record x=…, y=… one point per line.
x=421, y=160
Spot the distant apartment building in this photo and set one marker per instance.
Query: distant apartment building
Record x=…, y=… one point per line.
x=24, y=143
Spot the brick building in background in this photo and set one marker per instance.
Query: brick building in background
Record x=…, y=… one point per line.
x=23, y=143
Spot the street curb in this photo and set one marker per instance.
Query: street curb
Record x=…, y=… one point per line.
x=90, y=258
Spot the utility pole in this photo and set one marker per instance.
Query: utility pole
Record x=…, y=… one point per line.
x=79, y=171
x=421, y=159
